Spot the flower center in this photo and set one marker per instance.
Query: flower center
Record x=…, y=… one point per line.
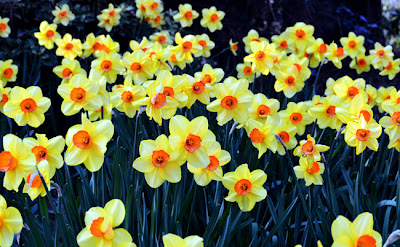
x=4, y=100
x=363, y=134
x=187, y=46
x=366, y=114
x=256, y=136
x=308, y=148
x=361, y=62
x=380, y=53
x=352, y=92
x=154, y=5
x=188, y=15
x=1, y=220
x=284, y=136
x=95, y=227
x=389, y=66
x=62, y=14
x=229, y=102
x=159, y=100
x=69, y=46
x=161, y=39
x=290, y=81
x=28, y=105
x=207, y=79
x=234, y=47
x=127, y=96
x=214, y=17
x=257, y=40
x=104, y=48
x=192, y=143
x=214, y=163
x=339, y=52
x=40, y=153
x=106, y=65
x=242, y=187
x=300, y=34
x=203, y=43
x=36, y=182
x=260, y=55
x=365, y=241
x=157, y=20
x=111, y=13
x=396, y=118
x=331, y=111
x=2, y=27
x=82, y=139
x=159, y=158
x=247, y=70
x=136, y=67
x=169, y=91
x=263, y=111
x=314, y=169
x=7, y=161
x=8, y=73
x=298, y=67
x=352, y=44
x=50, y=34
x=96, y=46
x=66, y=73
x=296, y=118
x=198, y=87
x=78, y=94
x=322, y=48
x=283, y=45
x=173, y=58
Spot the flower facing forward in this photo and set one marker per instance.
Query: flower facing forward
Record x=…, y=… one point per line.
x=139, y=65
x=172, y=240
x=108, y=65
x=158, y=162
x=27, y=106
x=244, y=187
x=212, y=19
x=10, y=223
x=190, y=139
x=68, y=47
x=47, y=34
x=87, y=143
x=5, y=29
x=300, y=35
x=63, y=15
x=100, y=226
x=33, y=184
x=206, y=45
x=325, y=113
x=68, y=69
x=263, y=108
x=354, y=45
x=162, y=37
x=262, y=136
x=186, y=15
x=186, y=47
x=360, y=232
x=244, y=70
x=16, y=161
x=196, y=89
x=381, y=55
x=8, y=72
x=109, y=17
x=310, y=150
x=263, y=56
x=310, y=171
x=296, y=115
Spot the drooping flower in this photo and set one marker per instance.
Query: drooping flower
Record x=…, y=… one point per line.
x=63, y=15
x=47, y=34
x=11, y=223
x=68, y=47
x=172, y=240
x=233, y=46
x=186, y=15
x=211, y=19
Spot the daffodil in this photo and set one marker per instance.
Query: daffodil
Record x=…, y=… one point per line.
x=310, y=171
x=233, y=46
x=34, y=185
x=361, y=63
x=158, y=162
x=372, y=94
x=281, y=42
x=100, y=226
x=143, y=45
x=252, y=35
x=139, y=66
x=392, y=69
x=5, y=29
x=212, y=18
x=63, y=15
x=346, y=88
x=381, y=55
x=68, y=47
x=186, y=15
x=209, y=75
x=300, y=35
x=98, y=114
x=4, y=96
x=296, y=66
x=393, y=142
x=11, y=223
x=353, y=45
x=310, y=150
x=360, y=232
x=233, y=100
x=244, y=70
x=290, y=84
x=109, y=17
x=206, y=45
x=172, y=240
x=47, y=34
x=392, y=123
x=159, y=57
x=157, y=21
x=162, y=37
x=68, y=69
x=175, y=62
x=318, y=50
x=325, y=113
x=245, y=187
x=336, y=54
x=262, y=57
x=186, y=47
x=95, y=45
x=108, y=65
x=16, y=161
x=196, y=89
x=287, y=135
x=383, y=95
x=296, y=115
x=8, y=71
x=357, y=107
x=263, y=108
x=262, y=135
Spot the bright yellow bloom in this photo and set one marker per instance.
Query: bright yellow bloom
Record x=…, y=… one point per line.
x=362, y=134
x=157, y=102
x=158, y=162
x=186, y=15
x=100, y=226
x=353, y=112
x=296, y=115
x=392, y=69
x=5, y=29
x=109, y=17
x=47, y=151
x=218, y=158
x=79, y=93
x=87, y=143
x=393, y=142
x=262, y=57
x=157, y=21
x=360, y=232
x=353, y=45
x=233, y=100
x=143, y=45
x=139, y=65
x=308, y=149
x=295, y=65
x=361, y=63
x=325, y=113
x=63, y=15
x=196, y=89
x=47, y=34
x=336, y=54
x=252, y=36
x=162, y=37
x=346, y=88
x=281, y=42
x=211, y=19
x=390, y=104
x=233, y=46
x=300, y=35
x=33, y=184
x=330, y=83
x=191, y=139
x=4, y=96
x=186, y=46
x=8, y=71
x=159, y=57
x=108, y=65
x=318, y=50
x=209, y=75
x=383, y=94
x=124, y=97
x=175, y=62
x=148, y=8
x=392, y=123
x=27, y=106
x=287, y=135
x=172, y=240
x=11, y=223
x=372, y=94
x=244, y=187
x=95, y=45
x=206, y=45
x=310, y=171
x=69, y=47
x=263, y=108
x=262, y=136
x=16, y=161
x=245, y=71
x=289, y=83
x=381, y=55
x=68, y=69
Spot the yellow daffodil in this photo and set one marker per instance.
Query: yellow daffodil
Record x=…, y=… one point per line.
x=392, y=69
x=63, y=15
x=310, y=171
x=4, y=96
x=108, y=65
x=68, y=69
x=353, y=45
x=27, y=106
x=196, y=89
x=381, y=55
x=336, y=54
x=360, y=232
x=281, y=42
x=308, y=149
x=211, y=19
x=218, y=158
x=175, y=62
x=325, y=113
x=233, y=46
x=100, y=226
x=11, y=223
x=159, y=57
x=209, y=75
x=47, y=34
x=262, y=135
x=290, y=84
x=297, y=66
x=148, y=8
x=262, y=57
x=68, y=47
x=244, y=70
x=139, y=66
x=143, y=45
x=33, y=184
x=372, y=94
x=357, y=107
x=318, y=50
x=158, y=162
x=206, y=45
x=244, y=187
x=162, y=37
x=263, y=108
x=172, y=240
x=109, y=17
x=5, y=29
x=287, y=135
x=16, y=161
x=186, y=15
x=252, y=36
x=87, y=143
x=157, y=21
x=346, y=88
x=95, y=45
x=390, y=104
x=233, y=100
x=393, y=142
x=296, y=115
x=361, y=63
x=392, y=123
x=383, y=94
x=8, y=71
x=300, y=35
x=186, y=47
